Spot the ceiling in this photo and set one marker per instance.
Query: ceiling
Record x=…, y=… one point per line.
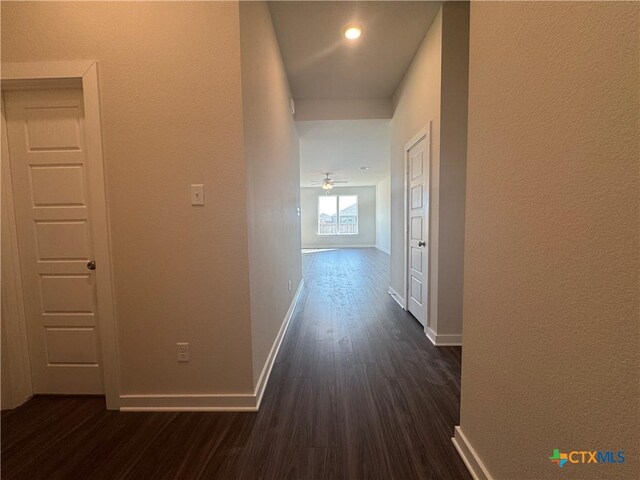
x=342, y=147
x=322, y=64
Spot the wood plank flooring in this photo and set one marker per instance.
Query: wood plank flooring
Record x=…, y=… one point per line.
x=357, y=392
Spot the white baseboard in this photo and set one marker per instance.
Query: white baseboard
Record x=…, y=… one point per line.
x=189, y=403
x=357, y=245
x=443, y=340
x=469, y=456
x=268, y=365
x=240, y=402
x=397, y=297
x=385, y=250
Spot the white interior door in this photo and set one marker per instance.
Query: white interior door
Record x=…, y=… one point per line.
x=51, y=195
x=417, y=248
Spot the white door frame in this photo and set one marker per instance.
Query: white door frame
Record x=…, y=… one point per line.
x=15, y=75
x=17, y=382
x=424, y=132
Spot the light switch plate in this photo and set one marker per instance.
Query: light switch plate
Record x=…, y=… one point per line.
x=197, y=194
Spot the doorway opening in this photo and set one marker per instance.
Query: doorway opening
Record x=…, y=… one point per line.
x=344, y=184
x=406, y=81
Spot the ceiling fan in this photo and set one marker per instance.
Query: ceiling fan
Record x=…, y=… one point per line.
x=328, y=182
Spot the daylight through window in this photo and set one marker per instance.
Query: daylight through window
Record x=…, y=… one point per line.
x=337, y=214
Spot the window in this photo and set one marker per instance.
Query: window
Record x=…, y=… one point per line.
x=337, y=215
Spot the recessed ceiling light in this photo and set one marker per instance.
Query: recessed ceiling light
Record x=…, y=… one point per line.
x=365, y=168
x=351, y=32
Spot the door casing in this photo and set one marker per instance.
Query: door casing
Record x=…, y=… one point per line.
x=425, y=133
x=57, y=74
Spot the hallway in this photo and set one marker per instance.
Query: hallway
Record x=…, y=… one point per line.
x=357, y=392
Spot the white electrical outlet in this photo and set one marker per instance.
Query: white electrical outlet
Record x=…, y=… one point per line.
x=289, y=283
x=183, y=352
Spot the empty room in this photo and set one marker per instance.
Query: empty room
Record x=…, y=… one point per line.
x=320, y=240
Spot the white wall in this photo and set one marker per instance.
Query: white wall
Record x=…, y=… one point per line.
x=383, y=215
x=417, y=102
x=552, y=268
x=343, y=109
x=271, y=155
x=453, y=166
x=171, y=116
x=434, y=89
x=366, y=218
x=174, y=113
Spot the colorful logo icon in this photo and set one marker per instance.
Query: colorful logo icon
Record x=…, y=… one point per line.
x=587, y=456
x=559, y=458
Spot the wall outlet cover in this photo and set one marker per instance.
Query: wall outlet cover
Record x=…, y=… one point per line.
x=183, y=351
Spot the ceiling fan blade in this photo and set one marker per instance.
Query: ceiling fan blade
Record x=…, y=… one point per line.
x=339, y=181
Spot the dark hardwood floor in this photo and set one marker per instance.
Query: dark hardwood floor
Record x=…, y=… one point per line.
x=357, y=392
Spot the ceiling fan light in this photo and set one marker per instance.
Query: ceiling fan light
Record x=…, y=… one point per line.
x=327, y=186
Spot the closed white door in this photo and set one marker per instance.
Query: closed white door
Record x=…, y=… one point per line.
x=51, y=196
x=418, y=207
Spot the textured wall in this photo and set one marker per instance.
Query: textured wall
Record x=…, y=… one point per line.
x=453, y=165
x=416, y=102
x=434, y=89
x=366, y=218
x=170, y=87
x=551, y=302
x=273, y=168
